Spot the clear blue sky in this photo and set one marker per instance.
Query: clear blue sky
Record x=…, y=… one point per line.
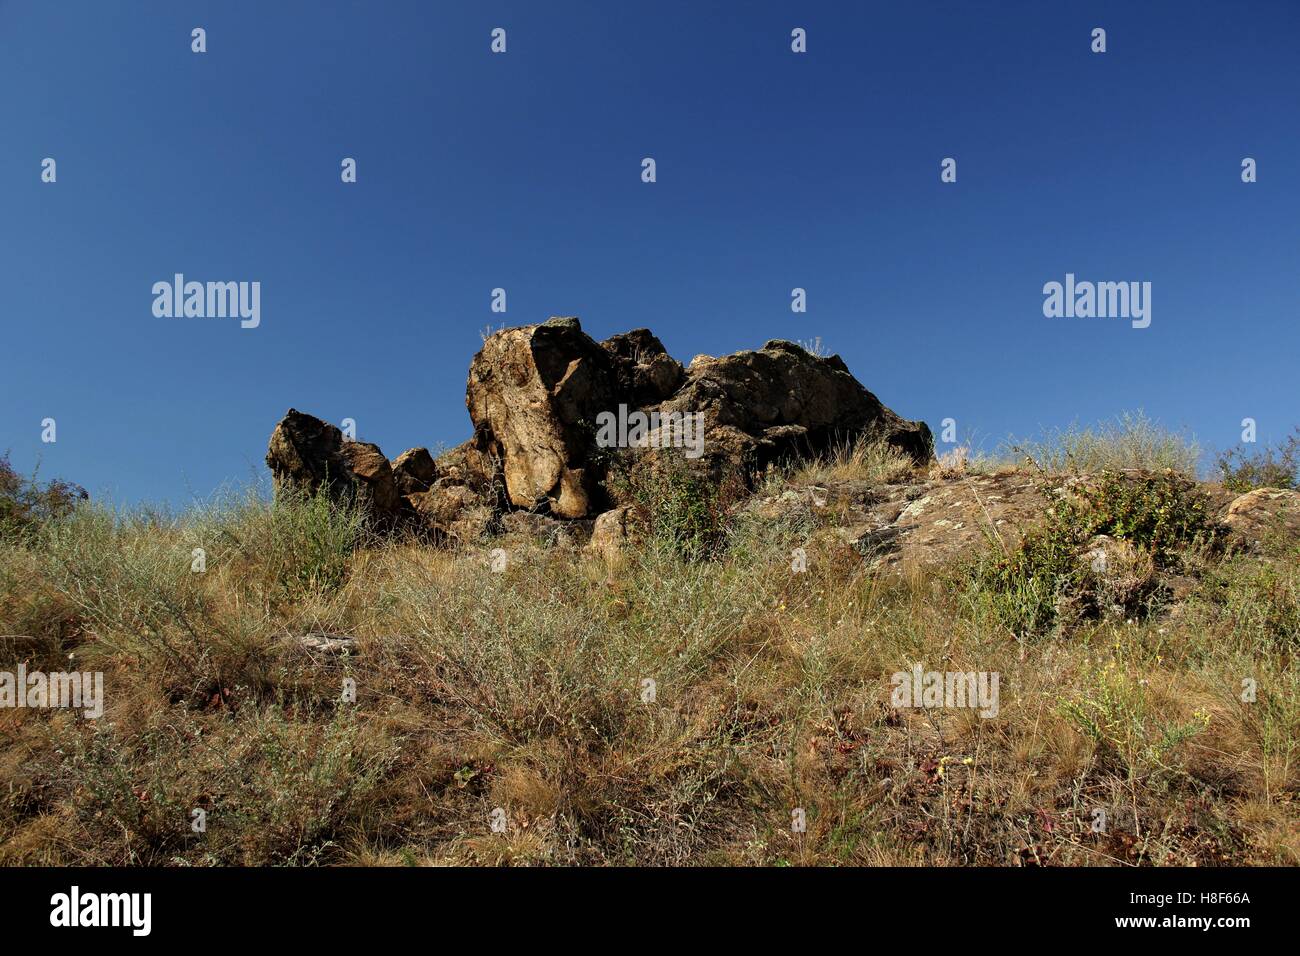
x=522, y=171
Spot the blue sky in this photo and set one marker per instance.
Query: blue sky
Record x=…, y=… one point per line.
x=523, y=171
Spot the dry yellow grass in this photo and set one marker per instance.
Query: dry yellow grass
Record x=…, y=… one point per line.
x=524, y=692
x=861, y=460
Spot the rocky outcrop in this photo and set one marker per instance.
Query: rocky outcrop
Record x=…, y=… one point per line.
x=305, y=454
x=908, y=524
x=1265, y=520
x=537, y=392
x=781, y=400
x=534, y=393
x=535, y=396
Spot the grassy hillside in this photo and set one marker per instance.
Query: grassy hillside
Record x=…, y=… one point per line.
x=525, y=689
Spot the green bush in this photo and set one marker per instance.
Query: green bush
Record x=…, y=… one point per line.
x=1269, y=467
x=314, y=537
x=675, y=503
x=302, y=543
x=1023, y=585
x=26, y=504
x=1160, y=514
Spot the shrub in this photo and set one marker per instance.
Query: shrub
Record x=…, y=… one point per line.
x=38, y=624
x=278, y=791
x=131, y=583
x=1274, y=466
x=1261, y=600
x=131, y=579
x=301, y=544
x=1132, y=441
x=1159, y=514
x=1024, y=585
x=677, y=504
x=315, y=536
x=26, y=504
x=1162, y=513
x=1115, y=712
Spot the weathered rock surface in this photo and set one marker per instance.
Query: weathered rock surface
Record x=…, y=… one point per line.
x=535, y=394
x=323, y=643
x=541, y=529
x=902, y=525
x=609, y=535
x=644, y=371
x=376, y=488
x=470, y=463
x=444, y=503
x=780, y=400
x=306, y=453
x=1266, y=519
x=414, y=471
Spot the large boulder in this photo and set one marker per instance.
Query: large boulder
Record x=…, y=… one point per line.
x=763, y=405
x=306, y=454
x=644, y=372
x=1265, y=520
x=534, y=393
x=414, y=470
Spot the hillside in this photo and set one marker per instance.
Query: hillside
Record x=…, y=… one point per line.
x=541, y=647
